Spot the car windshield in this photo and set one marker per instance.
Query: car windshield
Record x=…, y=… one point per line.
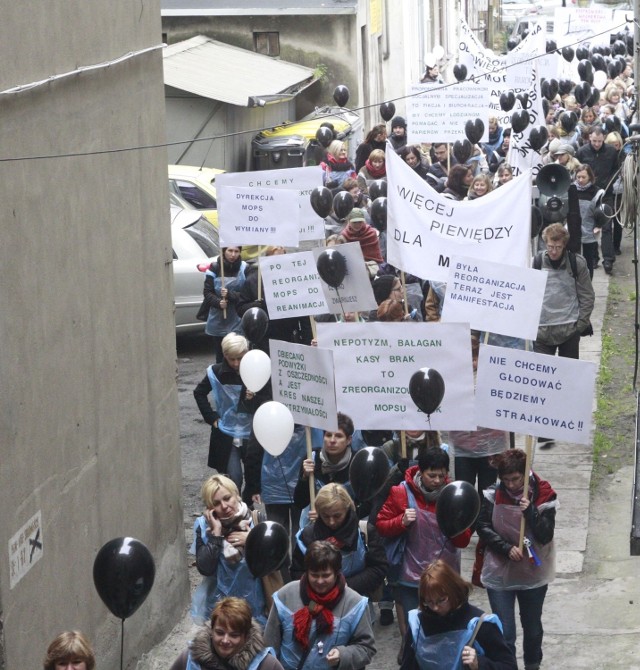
x=195, y=196
x=206, y=236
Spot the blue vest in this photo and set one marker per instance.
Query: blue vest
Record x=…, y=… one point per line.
x=255, y=662
x=226, y=398
x=216, y=323
x=344, y=627
x=231, y=579
x=353, y=562
x=444, y=650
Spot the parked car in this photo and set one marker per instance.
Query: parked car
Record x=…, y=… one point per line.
x=197, y=186
x=195, y=243
x=512, y=10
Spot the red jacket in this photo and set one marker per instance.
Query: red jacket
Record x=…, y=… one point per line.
x=389, y=521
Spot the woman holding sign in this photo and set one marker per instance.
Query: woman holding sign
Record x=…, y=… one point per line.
x=222, y=283
x=515, y=569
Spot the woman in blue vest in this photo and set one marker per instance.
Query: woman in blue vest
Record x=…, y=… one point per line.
x=221, y=296
x=446, y=632
x=364, y=560
x=234, y=640
x=219, y=538
x=319, y=621
x=231, y=415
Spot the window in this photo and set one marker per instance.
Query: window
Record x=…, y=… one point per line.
x=194, y=195
x=267, y=43
x=206, y=237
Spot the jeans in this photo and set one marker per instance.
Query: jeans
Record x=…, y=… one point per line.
x=568, y=349
x=467, y=468
x=530, y=602
x=234, y=467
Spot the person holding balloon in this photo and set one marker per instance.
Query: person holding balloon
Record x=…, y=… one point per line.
x=69, y=651
x=222, y=282
x=409, y=516
x=220, y=534
x=446, y=630
x=514, y=569
x=364, y=561
x=232, y=640
x=319, y=621
x=230, y=421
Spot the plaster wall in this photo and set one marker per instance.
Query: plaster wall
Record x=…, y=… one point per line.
x=88, y=405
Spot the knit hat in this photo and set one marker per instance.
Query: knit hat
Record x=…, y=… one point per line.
x=554, y=145
x=356, y=214
x=382, y=285
x=565, y=149
x=398, y=121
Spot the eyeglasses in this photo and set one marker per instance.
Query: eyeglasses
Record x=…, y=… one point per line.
x=555, y=247
x=433, y=604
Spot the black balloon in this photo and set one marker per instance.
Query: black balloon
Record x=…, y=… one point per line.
x=553, y=87
x=457, y=508
x=582, y=53
x=598, y=62
x=321, y=200
x=551, y=46
x=341, y=95
x=613, y=69
x=565, y=86
x=462, y=150
x=123, y=574
x=568, y=53
x=612, y=124
x=460, y=72
x=474, y=130
x=266, y=548
x=378, y=213
x=545, y=107
x=519, y=120
x=568, y=121
x=368, y=472
x=507, y=101
x=581, y=92
x=426, y=389
x=378, y=189
x=332, y=267
x=593, y=98
x=538, y=137
x=324, y=136
x=545, y=90
x=342, y=204
x=619, y=48
x=387, y=110
x=512, y=43
x=524, y=99
x=585, y=71
x=254, y=324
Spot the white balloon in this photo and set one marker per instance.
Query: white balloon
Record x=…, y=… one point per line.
x=255, y=369
x=438, y=52
x=599, y=79
x=273, y=425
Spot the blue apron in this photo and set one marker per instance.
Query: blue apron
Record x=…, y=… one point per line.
x=444, y=650
x=226, y=398
x=216, y=323
x=344, y=626
x=353, y=562
x=255, y=662
x=231, y=579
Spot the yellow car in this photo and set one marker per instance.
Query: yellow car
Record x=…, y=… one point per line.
x=196, y=186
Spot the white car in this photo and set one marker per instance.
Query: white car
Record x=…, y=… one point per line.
x=195, y=244
x=512, y=10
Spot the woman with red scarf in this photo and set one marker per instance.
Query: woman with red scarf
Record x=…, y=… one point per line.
x=511, y=573
x=358, y=230
x=318, y=620
x=374, y=168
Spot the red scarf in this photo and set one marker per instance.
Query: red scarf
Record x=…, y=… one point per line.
x=375, y=172
x=368, y=239
x=315, y=607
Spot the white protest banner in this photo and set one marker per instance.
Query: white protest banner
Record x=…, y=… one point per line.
x=439, y=114
x=292, y=285
x=535, y=394
x=302, y=379
x=354, y=293
x=258, y=216
x=374, y=363
x=587, y=25
x=300, y=180
x=522, y=157
x=480, y=62
x=424, y=229
x=493, y=297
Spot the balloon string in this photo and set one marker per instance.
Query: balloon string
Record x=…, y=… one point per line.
x=284, y=479
x=344, y=316
x=122, y=644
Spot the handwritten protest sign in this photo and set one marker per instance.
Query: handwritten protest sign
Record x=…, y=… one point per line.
x=374, y=363
x=439, y=114
x=258, y=216
x=355, y=293
x=302, y=379
x=300, y=180
x=424, y=228
x=535, y=394
x=292, y=285
x=494, y=297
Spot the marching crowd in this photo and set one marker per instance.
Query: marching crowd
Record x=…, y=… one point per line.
x=346, y=553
